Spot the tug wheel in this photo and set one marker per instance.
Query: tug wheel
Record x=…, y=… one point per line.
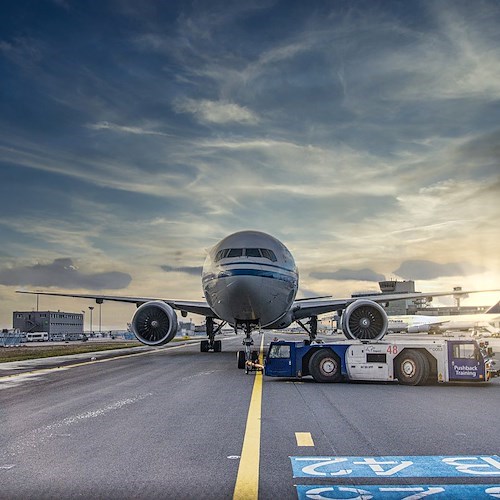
x=411, y=367
x=324, y=366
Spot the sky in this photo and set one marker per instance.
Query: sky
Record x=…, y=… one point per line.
x=365, y=135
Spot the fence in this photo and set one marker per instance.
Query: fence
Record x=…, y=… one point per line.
x=10, y=339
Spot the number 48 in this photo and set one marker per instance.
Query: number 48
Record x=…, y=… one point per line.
x=392, y=349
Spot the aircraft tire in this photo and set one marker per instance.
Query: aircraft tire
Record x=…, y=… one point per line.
x=324, y=366
x=204, y=346
x=240, y=355
x=411, y=367
x=217, y=345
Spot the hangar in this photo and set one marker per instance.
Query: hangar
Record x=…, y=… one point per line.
x=52, y=322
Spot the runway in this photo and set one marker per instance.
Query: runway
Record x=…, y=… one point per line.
x=171, y=423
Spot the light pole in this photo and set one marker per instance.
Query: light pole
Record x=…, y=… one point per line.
x=100, y=301
x=83, y=327
x=91, y=309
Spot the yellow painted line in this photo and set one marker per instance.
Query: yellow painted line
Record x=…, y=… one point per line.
x=304, y=439
x=247, y=481
x=43, y=371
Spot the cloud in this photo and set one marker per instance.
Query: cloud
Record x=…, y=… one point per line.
x=454, y=58
x=63, y=274
x=428, y=270
x=349, y=274
x=124, y=129
x=483, y=147
x=62, y=3
x=361, y=135
x=23, y=51
x=219, y=112
x=193, y=270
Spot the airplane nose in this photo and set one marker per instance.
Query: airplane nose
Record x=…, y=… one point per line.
x=244, y=295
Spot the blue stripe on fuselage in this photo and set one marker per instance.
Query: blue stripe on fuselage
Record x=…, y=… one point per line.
x=267, y=264
x=228, y=273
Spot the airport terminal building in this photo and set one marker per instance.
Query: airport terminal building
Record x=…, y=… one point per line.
x=52, y=322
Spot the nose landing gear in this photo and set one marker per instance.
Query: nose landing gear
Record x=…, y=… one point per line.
x=212, y=330
x=248, y=358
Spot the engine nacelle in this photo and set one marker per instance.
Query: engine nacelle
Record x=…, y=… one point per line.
x=364, y=320
x=154, y=323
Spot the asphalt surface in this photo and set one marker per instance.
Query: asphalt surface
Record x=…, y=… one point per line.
x=170, y=423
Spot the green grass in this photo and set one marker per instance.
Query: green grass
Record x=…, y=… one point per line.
x=34, y=352
x=46, y=351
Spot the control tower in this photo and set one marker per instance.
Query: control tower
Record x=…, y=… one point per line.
x=399, y=307
x=395, y=286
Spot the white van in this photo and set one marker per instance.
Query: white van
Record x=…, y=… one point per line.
x=37, y=337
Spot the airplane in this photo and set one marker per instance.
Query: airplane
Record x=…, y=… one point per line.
x=420, y=323
x=250, y=281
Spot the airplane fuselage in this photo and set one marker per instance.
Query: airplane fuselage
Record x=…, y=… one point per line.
x=250, y=277
x=441, y=323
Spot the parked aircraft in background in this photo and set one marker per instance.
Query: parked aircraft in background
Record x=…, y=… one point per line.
x=420, y=323
x=250, y=281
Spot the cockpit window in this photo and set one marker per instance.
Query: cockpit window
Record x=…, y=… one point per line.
x=249, y=252
x=234, y=252
x=221, y=254
x=252, y=252
x=268, y=254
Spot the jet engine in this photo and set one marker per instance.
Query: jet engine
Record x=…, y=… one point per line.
x=154, y=323
x=364, y=320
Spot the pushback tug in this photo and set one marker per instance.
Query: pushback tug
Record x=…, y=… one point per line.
x=409, y=361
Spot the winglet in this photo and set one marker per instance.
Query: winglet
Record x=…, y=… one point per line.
x=494, y=309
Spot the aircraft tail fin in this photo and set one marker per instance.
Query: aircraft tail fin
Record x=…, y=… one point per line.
x=494, y=309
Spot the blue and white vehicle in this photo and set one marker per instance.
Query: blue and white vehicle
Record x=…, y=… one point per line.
x=410, y=362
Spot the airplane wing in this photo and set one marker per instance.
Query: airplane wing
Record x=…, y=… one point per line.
x=306, y=309
x=300, y=308
x=194, y=307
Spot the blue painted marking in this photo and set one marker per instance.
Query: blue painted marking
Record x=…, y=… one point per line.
x=396, y=466
x=399, y=492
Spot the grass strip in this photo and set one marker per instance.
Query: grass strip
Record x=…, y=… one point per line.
x=24, y=352
x=35, y=352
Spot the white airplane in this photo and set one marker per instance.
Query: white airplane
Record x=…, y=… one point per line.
x=250, y=281
x=420, y=323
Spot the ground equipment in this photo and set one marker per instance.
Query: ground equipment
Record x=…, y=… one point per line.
x=410, y=362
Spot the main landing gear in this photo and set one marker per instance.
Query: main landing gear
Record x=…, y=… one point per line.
x=248, y=358
x=212, y=330
x=313, y=328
